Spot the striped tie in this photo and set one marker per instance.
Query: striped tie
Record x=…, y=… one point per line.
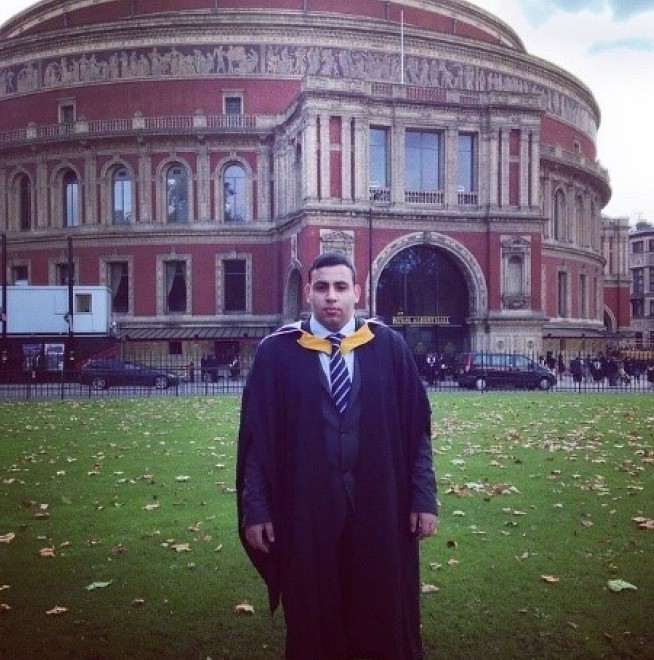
x=338, y=373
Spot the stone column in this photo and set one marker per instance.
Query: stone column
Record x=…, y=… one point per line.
x=203, y=185
x=146, y=211
x=504, y=166
x=325, y=158
x=346, y=158
x=309, y=159
x=90, y=188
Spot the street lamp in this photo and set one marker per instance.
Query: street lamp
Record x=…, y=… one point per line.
x=375, y=193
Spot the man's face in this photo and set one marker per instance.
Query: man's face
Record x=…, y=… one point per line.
x=332, y=295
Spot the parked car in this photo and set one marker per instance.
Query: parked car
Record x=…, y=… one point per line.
x=112, y=372
x=510, y=370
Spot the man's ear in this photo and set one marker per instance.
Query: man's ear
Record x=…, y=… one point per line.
x=307, y=292
x=357, y=293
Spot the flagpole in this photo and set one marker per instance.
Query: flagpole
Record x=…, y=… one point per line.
x=402, y=47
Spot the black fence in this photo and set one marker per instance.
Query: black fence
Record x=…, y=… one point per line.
x=469, y=371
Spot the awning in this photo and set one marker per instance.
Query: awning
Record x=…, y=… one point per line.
x=193, y=333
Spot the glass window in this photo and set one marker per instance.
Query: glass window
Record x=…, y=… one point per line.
x=234, y=278
x=235, y=201
x=637, y=247
x=175, y=287
x=121, y=186
x=70, y=199
x=177, y=194
x=466, y=180
x=25, y=202
x=422, y=165
x=638, y=275
x=233, y=105
x=562, y=301
x=118, y=278
x=83, y=303
x=583, y=296
x=379, y=174
x=62, y=274
x=19, y=274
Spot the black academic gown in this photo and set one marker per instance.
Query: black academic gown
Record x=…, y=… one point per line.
x=281, y=416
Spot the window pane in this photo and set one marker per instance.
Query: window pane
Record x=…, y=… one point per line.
x=235, y=201
x=25, y=203
x=122, y=196
x=176, y=286
x=379, y=157
x=235, y=283
x=177, y=194
x=233, y=105
x=119, y=285
x=422, y=161
x=70, y=200
x=465, y=180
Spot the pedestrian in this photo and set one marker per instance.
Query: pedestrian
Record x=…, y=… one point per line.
x=335, y=490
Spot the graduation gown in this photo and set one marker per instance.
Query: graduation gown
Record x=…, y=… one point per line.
x=282, y=418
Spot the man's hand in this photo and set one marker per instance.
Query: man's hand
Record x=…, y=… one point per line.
x=423, y=524
x=260, y=537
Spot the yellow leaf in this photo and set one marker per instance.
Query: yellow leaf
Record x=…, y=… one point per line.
x=181, y=547
x=57, y=610
x=4, y=608
x=47, y=552
x=550, y=579
x=244, y=608
x=7, y=538
x=428, y=588
x=151, y=507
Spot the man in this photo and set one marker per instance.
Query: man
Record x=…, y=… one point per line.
x=335, y=491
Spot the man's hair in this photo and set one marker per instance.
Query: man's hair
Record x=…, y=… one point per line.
x=327, y=259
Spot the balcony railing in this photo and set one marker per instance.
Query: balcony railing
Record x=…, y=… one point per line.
x=137, y=123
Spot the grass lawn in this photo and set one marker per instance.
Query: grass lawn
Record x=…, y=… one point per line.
x=117, y=530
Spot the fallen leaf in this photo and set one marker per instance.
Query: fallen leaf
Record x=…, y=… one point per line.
x=428, y=588
x=7, y=538
x=97, y=585
x=138, y=602
x=620, y=585
x=244, y=608
x=151, y=507
x=550, y=579
x=47, y=552
x=181, y=547
x=57, y=610
x=4, y=608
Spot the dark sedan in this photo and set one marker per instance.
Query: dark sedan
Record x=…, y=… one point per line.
x=101, y=374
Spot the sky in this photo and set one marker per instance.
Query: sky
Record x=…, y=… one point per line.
x=609, y=46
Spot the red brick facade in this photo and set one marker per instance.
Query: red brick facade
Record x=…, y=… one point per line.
x=200, y=154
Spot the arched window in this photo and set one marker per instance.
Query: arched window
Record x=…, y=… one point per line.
x=25, y=202
x=70, y=201
x=234, y=200
x=580, y=221
x=121, y=196
x=177, y=194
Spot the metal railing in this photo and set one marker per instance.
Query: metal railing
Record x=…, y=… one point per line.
x=596, y=375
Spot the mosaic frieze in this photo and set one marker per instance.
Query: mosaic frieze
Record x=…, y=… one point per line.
x=283, y=61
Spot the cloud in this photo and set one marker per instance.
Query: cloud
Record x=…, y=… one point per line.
x=640, y=44
x=539, y=11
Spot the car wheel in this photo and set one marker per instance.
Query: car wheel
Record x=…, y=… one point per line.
x=544, y=384
x=99, y=383
x=480, y=383
x=161, y=382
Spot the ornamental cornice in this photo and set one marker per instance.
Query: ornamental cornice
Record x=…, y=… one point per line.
x=228, y=56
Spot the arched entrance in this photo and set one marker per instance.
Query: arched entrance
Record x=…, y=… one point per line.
x=423, y=293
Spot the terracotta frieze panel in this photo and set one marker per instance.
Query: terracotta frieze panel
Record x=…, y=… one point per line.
x=283, y=61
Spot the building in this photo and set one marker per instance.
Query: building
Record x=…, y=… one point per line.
x=199, y=154
x=641, y=266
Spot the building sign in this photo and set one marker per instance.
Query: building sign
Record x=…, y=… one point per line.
x=421, y=320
